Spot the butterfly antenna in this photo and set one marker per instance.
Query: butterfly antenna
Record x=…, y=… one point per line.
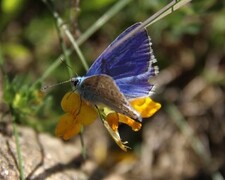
x=53, y=85
x=67, y=65
x=63, y=61
x=76, y=74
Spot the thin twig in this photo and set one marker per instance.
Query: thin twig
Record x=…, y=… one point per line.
x=169, y=8
x=69, y=35
x=64, y=49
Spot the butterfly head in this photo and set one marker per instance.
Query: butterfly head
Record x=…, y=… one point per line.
x=76, y=81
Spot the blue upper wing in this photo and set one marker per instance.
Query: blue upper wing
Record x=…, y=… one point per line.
x=130, y=63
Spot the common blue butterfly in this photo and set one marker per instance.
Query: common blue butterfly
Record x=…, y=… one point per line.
x=120, y=73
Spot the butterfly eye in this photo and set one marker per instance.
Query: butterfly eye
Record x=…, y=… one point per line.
x=75, y=81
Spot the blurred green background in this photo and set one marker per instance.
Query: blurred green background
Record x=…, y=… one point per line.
x=189, y=46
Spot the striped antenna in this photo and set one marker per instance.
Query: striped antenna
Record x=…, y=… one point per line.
x=45, y=88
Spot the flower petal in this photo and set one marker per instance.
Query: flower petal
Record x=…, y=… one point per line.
x=145, y=106
x=115, y=135
x=130, y=122
x=67, y=126
x=80, y=109
x=87, y=113
x=113, y=120
x=71, y=102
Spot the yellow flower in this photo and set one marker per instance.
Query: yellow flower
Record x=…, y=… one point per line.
x=79, y=113
x=145, y=106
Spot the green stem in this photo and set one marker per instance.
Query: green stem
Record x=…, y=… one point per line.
x=84, y=149
x=18, y=150
x=64, y=49
x=20, y=159
x=70, y=37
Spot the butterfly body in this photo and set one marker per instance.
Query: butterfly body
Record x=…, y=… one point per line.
x=120, y=73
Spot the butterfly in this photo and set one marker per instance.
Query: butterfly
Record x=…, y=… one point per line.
x=120, y=73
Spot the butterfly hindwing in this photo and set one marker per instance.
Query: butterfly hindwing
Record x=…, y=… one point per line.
x=137, y=86
x=102, y=89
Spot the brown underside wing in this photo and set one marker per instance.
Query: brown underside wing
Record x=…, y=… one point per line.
x=101, y=89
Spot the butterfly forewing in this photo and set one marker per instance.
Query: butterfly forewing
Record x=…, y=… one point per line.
x=102, y=89
x=131, y=63
x=127, y=59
